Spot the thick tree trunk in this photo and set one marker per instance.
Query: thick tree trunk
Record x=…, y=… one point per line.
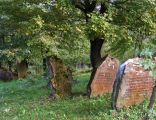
x=96, y=59
x=87, y=7
x=22, y=68
x=44, y=64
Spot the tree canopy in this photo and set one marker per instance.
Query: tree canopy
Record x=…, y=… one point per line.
x=41, y=28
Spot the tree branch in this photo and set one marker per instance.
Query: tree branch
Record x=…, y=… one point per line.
x=103, y=8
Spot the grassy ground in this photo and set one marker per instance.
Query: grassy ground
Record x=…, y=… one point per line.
x=28, y=100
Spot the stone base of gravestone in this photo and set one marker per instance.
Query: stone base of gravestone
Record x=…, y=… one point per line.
x=104, y=77
x=135, y=85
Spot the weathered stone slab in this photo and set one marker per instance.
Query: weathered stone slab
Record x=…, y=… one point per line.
x=104, y=77
x=62, y=77
x=7, y=75
x=136, y=84
x=22, y=67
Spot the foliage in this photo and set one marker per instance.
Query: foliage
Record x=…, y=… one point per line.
x=41, y=28
x=80, y=82
x=149, y=61
x=126, y=26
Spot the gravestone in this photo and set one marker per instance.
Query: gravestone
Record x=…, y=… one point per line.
x=104, y=77
x=22, y=68
x=7, y=75
x=134, y=85
x=62, y=77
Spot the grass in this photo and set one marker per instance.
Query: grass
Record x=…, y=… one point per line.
x=80, y=83
x=28, y=100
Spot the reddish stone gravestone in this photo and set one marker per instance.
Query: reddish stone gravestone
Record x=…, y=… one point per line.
x=104, y=77
x=135, y=85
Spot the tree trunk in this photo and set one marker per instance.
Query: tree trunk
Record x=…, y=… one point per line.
x=152, y=101
x=2, y=37
x=0, y=64
x=22, y=68
x=10, y=65
x=96, y=59
x=44, y=64
x=1, y=45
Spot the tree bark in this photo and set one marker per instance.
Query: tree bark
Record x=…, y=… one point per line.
x=152, y=101
x=44, y=64
x=0, y=64
x=87, y=7
x=1, y=45
x=10, y=65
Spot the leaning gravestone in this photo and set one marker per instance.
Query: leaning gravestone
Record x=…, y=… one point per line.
x=133, y=86
x=62, y=77
x=22, y=67
x=104, y=77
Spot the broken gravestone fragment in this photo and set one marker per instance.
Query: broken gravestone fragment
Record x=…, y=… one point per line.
x=62, y=77
x=133, y=84
x=22, y=68
x=7, y=75
x=104, y=77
